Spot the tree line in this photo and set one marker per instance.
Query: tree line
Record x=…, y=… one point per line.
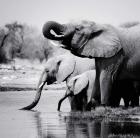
x=23, y=41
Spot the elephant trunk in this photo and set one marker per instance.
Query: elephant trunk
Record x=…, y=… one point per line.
x=62, y=99
x=56, y=27
x=42, y=82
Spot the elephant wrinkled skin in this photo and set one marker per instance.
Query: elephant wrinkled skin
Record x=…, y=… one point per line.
x=116, y=50
x=61, y=68
x=80, y=87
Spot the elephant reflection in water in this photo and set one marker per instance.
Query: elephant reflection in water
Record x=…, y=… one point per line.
x=44, y=126
x=71, y=128
x=101, y=129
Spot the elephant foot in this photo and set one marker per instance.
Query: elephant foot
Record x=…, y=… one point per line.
x=125, y=107
x=92, y=105
x=88, y=107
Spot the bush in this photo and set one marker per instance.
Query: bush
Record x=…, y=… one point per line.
x=23, y=41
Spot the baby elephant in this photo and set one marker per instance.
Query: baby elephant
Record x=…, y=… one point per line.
x=80, y=89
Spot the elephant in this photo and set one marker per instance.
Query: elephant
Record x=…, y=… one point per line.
x=127, y=90
x=116, y=50
x=81, y=87
x=61, y=68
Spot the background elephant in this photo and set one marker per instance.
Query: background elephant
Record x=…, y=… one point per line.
x=116, y=50
x=127, y=90
x=61, y=68
x=80, y=87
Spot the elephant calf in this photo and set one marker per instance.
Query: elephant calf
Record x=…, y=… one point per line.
x=80, y=87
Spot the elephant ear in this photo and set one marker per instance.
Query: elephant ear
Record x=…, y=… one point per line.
x=96, y=41
x=65, y=67
x=80, y=84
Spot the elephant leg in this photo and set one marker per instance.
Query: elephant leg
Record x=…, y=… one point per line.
x=84, y=102
x=115, y=95
x=135, y=94
x=126, y=102
x=105, y=87
x=114, y=101
x=135, y=99
x=94, y=100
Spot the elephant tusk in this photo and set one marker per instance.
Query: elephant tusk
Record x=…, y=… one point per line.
x=54, y=43
x=41, y=85
x=59, y=36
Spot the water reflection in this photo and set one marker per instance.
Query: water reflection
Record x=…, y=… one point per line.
x=40, y=131
x=101, y=129
x=69, y=128
x=49, y=126
x=46, y=122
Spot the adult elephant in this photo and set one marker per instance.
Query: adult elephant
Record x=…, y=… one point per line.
x=61, y=68
x=127, y=90
x=116, y=50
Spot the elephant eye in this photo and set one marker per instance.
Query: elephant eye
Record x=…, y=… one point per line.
x=46, y=70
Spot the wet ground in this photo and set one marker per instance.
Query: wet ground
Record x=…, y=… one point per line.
x=45, y=122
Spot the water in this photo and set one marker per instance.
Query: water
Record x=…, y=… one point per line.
x=45, y=122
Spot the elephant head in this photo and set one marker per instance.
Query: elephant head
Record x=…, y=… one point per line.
x=57, y=69
x=86, y=38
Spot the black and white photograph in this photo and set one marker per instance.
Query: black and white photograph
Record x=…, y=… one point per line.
x=69, y=69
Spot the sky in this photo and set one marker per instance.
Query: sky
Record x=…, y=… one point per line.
x=37, y=12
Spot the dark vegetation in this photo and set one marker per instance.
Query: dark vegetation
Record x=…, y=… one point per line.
x=108, y=113
x=22, y=41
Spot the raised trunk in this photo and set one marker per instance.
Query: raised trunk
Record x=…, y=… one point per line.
x=56, y=27
x=41, y=83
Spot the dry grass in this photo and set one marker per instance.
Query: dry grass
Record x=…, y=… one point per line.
x=108, y=113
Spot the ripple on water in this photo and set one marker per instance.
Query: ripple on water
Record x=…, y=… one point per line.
x=46, y=122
